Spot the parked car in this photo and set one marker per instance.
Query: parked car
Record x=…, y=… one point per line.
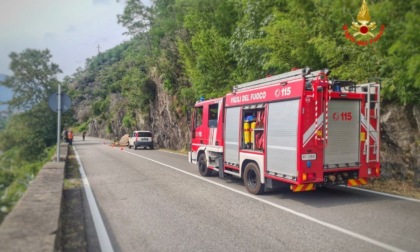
x=140, y=138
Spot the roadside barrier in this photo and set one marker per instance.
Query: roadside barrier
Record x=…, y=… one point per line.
x=33, y=224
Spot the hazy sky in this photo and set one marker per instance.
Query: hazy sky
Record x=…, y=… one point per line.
x=70, y=29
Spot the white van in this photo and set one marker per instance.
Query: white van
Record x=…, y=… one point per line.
x=140, y=138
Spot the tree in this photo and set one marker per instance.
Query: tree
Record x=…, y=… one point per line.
x=253, y=15
x=402, y=82
x=210, y=67
x=137, y=18
x=30, y=132
x=28, y=136
x=33, y=79
x=204, y=50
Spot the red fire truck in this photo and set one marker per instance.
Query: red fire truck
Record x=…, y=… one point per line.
x=298, y=128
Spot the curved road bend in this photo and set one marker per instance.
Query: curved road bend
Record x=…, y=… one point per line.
x=152, y=200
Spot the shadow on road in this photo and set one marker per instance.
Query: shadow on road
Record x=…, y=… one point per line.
x=323, y=197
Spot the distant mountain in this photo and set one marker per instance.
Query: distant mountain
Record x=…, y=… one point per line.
x=5, y=93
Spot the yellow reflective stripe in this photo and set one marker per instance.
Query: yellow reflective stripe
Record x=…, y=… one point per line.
x=299, y=188
x=352, y=182
x=362, y=181
x=303, y=187
x=310, y=186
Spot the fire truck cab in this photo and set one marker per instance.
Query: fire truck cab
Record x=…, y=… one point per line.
x=298, y=128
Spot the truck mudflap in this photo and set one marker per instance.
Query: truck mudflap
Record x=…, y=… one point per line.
x=190, y=158
x=356, y=182
x=302, y=188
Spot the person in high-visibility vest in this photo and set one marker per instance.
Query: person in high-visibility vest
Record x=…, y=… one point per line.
x=70, y=137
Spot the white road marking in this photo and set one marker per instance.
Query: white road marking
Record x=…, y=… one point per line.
x=103, y=237
x=348, y=187
x=384, y=194
x=307, y=217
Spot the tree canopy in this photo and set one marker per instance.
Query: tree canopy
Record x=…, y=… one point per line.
x=33, y=79
x=33, y=129
x=213, y=45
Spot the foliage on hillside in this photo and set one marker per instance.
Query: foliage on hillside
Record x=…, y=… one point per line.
x=119, y=71
x=27, y=140
x=204, y=47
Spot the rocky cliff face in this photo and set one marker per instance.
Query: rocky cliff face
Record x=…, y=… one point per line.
x=400, y=146
x=169, y=127
x=110, y=128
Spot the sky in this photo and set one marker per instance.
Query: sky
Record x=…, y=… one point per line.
x=70, y=29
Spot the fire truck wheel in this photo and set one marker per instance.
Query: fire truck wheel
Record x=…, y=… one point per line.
x=202, y=166
x=252, y=179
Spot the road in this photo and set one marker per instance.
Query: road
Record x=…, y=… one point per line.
x=152, y=200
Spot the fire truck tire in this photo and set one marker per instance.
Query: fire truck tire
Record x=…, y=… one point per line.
x=202, y=166
x=252, y=179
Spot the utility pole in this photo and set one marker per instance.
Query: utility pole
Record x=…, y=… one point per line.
x=99, y=49
x=58, y=121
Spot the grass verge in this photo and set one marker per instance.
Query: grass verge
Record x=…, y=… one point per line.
x=73, y=231
x=393, y=186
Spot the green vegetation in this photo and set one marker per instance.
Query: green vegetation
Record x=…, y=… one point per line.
x=28, y=138
x=83, y=127
x=16, y=174
x=33, y=78
x=3, y=121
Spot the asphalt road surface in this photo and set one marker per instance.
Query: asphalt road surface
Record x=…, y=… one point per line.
x=152, y=200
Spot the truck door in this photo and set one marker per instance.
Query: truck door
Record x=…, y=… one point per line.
x=213, y=120
x=282, y=137
x=197, y=137
x=232, y=127
x=344, y=131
